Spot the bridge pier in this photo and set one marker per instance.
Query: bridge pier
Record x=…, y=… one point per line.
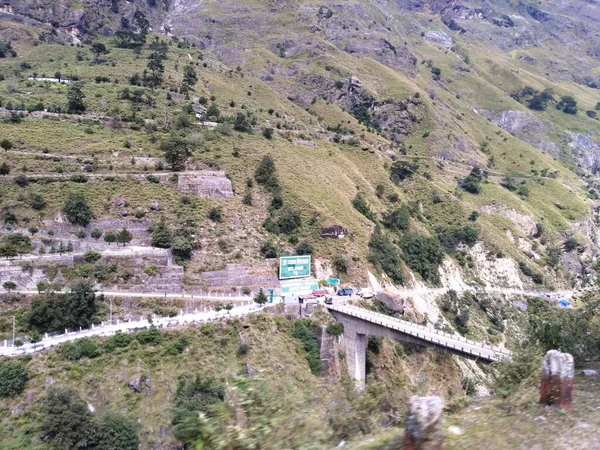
x=356, y=357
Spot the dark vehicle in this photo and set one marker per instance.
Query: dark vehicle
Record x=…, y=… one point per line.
x=329, y=300
x=345, y=291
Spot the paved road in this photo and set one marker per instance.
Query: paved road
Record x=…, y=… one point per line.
x=107, y=330
x=430, y=335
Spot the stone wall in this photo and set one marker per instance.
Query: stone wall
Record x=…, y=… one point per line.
x=211, y=184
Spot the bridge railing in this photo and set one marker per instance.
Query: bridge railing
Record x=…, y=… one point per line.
x=411, y=329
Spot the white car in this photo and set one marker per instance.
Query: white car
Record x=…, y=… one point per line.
x=365, y=293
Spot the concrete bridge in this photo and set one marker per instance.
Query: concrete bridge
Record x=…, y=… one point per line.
x=360, y=323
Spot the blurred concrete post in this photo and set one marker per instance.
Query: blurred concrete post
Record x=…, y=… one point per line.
x=557, y=380
x=424, y=424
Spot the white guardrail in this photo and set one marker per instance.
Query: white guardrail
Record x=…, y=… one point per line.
x=458, y=343
x=106, y=329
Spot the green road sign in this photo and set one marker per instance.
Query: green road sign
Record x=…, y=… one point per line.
x=294, y=267
x=298, y=287
x=333, y=281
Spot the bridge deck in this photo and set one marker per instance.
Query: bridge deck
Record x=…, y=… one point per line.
x=435, y=337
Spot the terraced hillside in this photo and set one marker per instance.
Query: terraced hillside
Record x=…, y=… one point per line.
x=181, y=146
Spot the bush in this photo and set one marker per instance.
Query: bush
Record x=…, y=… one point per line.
x=340, y=264
x=268, y=132
x=81, y=348
x=268, y=249
x=21, y=180
x=397, y=219
x=54, y=311
x=336, y=329
x=289, y=221
x=265, y=172
x=79, y=178
x=153, y=336
x=242, y=349
x=177, y=346
x=402, y=170
x=119, y=340
x=303, y=331
x=192, y=398
x=161, y=235
x=91, y=257
x=13, y=377
x=115, y=432
x=215, y=214
x=242, y=123
x=360, y=204
x=304, y=248
x=96, y=233
x=423, y=255
x=153, y=179
x=453, y=237
x=66, y=420
x=384, y=254
x=472, y=182
x=37, y=202
x=77, y=209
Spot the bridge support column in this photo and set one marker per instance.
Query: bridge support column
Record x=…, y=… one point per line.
x=356, y=357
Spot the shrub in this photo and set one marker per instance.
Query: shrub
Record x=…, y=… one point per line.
x=153, y=179
x=452, y=237
x=215, y=214
x=182, y=247
x=242, y=123
x=402, y=170
x=303, y=331
x=177, y=346
x=153, y=336
x=268, y=132
x=260, y=297
x=336, y=329
x=81, y=348
x=13, y=377
x=79, y=178
x=96, y=233
x=151, y=270
x=340, y=264
x=116, y=432
x=472, y=182
x=268, y=249
x=161, y=235
x=56, y=311
x=21, y=180
x=77, y=209
x=242, y=349
x=360, y=204
x=91, y=257
x=304, y=248
x=265, y=172
x=397, y=219
x=384, y=254
x=36, y=201
x=289, y=220
x=66, y=420
x=119, y=340
x=423, y=255
x=192, y=398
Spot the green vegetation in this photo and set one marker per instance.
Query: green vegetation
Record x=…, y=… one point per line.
x=77, y=209
x=304, y=332
x=13, y=377
x=423, y=255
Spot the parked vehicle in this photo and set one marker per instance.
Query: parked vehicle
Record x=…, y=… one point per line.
x=365, y=293
x=345, y=291
x=329, y=300
x=319, y=293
